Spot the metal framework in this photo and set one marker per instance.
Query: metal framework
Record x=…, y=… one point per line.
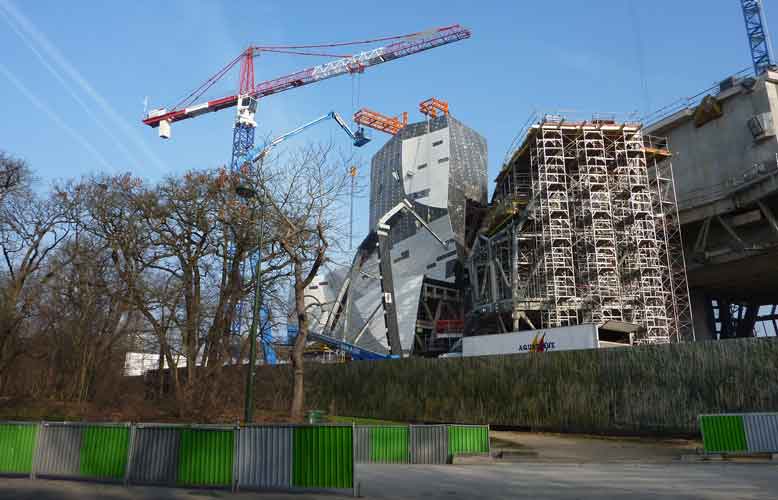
x=758, y=38
x=679, y=310
x=583, y=229
x=375, y=120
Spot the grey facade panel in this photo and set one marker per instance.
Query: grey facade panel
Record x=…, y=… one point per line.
x=761, y=432
x=59, y=450
x=362, y=444
x=429, y=444
x=264, y=457
x=155, y=455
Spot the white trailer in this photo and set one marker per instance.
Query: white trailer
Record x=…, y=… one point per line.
x=566, y=338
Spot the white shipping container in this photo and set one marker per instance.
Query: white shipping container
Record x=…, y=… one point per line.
x=564, y=338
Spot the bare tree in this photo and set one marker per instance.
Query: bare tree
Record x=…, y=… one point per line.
x=303, y=198
x=31, y=227
x=178, y=248
x=14, y=175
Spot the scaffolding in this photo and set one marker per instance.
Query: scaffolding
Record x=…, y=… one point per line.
x=596, y=238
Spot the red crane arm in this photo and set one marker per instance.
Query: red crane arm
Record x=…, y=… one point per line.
x=357, y=63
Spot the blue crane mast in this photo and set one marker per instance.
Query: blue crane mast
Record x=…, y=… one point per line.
x=758, y=37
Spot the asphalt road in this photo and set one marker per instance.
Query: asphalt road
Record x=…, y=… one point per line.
x=720, y=481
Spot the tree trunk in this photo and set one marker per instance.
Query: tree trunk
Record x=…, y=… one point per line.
x=298, y=391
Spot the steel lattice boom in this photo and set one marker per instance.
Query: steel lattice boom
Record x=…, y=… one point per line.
x=353, y=64
x=758, y=38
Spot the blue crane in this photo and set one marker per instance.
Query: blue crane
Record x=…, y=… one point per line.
x=758, y=37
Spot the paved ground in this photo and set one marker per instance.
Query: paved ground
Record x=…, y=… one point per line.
x=714, y=481
x=543, y=466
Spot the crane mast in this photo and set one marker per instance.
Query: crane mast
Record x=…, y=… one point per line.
x=758, y=37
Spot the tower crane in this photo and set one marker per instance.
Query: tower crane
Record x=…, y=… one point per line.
x=249, y=92
x=758, y=37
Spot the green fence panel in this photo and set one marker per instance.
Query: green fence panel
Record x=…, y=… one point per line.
x=205, y=457
x=468, y=439
x=17, y=448
x=104, y=452
x=723, y=433
x=323, y=457
x=389, y=444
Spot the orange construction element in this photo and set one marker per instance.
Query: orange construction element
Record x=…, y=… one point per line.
x=431, y=106
x=375, y=120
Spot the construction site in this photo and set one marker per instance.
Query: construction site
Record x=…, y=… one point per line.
x=498, y=265
x=583, y=228
x=589, y=221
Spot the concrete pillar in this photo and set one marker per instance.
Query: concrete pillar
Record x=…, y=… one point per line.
x=703, y=330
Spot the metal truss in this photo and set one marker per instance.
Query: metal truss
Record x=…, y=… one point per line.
x=639, y=247
x=549, y=161
x=598, y=237
x=668, y=228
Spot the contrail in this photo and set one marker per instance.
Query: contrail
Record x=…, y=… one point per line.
x=119, y=144
x=54, y=117
x=56, y=56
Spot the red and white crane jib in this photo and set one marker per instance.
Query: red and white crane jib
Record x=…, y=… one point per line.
x=353, y=64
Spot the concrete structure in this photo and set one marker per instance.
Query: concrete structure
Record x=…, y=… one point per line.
x=439, y=166
x=725, y=157
x=582, y=228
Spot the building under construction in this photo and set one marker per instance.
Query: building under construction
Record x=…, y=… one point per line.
x=582, y=228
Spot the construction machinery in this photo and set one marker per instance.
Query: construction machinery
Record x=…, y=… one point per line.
x=246, y=99
x=393, y=124
x=357, y=137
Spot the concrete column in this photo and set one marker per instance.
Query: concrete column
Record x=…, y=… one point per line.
x=703, y=330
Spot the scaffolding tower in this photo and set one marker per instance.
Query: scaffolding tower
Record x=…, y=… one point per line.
x=593, y=231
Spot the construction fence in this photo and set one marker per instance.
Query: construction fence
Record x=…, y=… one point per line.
x=254, y=457
x=740, y=433
x=279, y=457
x=418, y=444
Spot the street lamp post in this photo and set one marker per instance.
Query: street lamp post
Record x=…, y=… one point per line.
x=248, y=193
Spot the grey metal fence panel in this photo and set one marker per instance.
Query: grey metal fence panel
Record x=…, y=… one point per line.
x=264, y=457
x=59, y=450
x=761, y=432
x=362, y=444
x=429, y=444
x=155, y=455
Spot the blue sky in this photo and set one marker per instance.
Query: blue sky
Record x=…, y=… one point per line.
x=73, y=75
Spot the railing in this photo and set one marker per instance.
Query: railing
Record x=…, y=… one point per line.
x=419, y=444
x=289, y=457
x=740, y=433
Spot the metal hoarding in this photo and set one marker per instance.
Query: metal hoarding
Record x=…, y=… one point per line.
x=761, y=432
x=205, y=457
x=104, y=451
x=59, y=450
x=389, y=444
x=429, y=444
x=362, y=444
x=17, y=447
x=723, y=433
x=264, y=457
x=323, y=457
x=155, y=455
x=468, y=439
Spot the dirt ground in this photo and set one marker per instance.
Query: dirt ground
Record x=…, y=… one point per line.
x=583, y=449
